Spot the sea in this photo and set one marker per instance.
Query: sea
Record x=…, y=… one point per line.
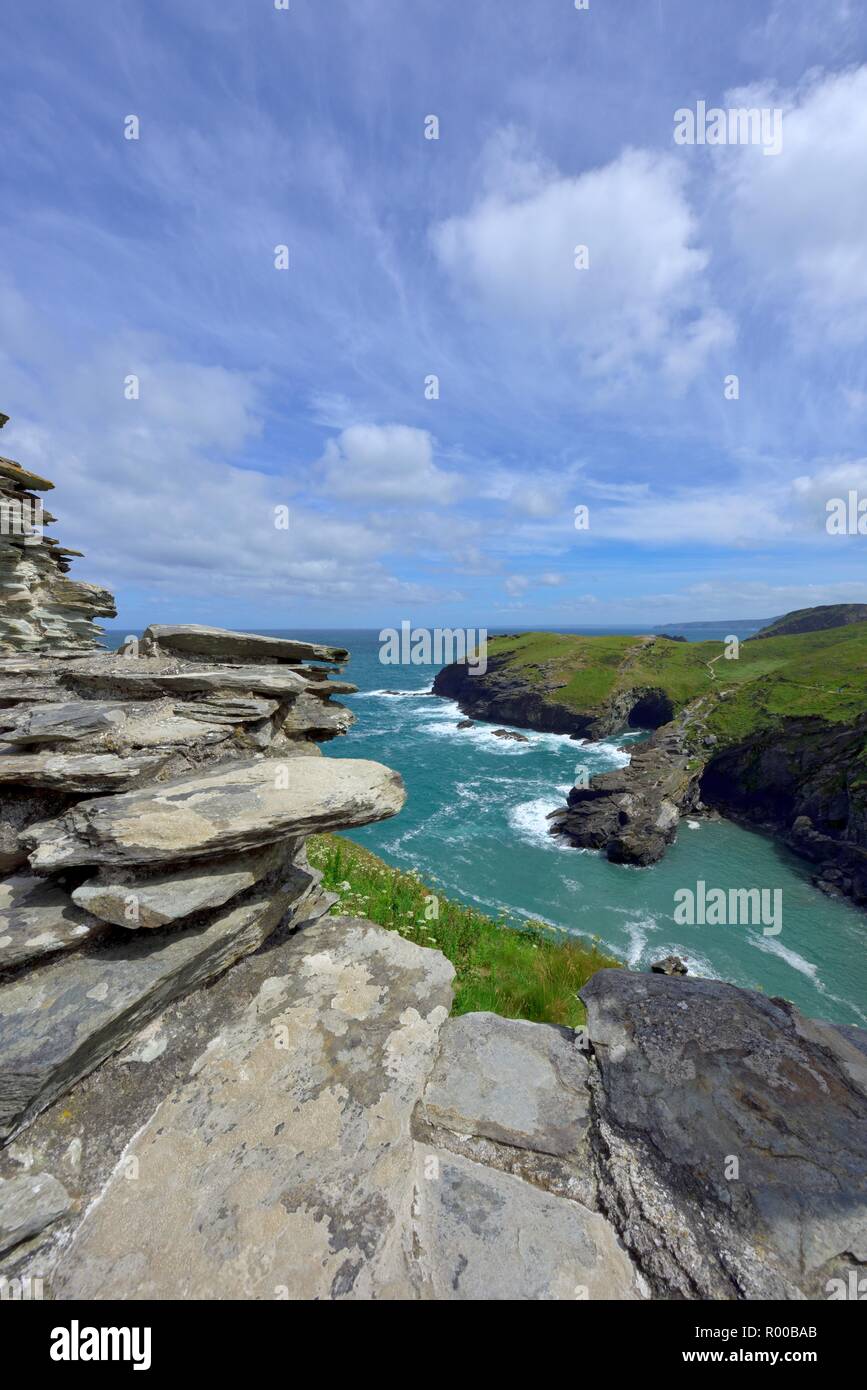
x=475, y=827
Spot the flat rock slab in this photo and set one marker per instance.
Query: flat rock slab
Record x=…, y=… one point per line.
x=37, y=918
x=512, y=1081
x=512, y=1094
x=59, y=1022
x=731, y=1137
x=225, y=710
x=236, y=807
x=78, y=772
x=28, y=1204
x=131, y=681
x=284, y=1166
x=132, y=902
x=64, y=722
x=482, y=1235
x=219, y=644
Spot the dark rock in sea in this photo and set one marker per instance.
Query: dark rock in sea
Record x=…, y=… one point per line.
x=466, y=724
x=632, y=813
x=669, y=965
x=508, y=734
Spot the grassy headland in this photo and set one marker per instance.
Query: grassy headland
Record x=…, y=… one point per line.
x=532, y=972
x=823, y=674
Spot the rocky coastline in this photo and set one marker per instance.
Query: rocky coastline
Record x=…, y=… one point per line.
x=802, y=781
x=213, y=1088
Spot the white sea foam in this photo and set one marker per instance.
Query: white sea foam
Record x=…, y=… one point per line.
x=424, y=693
x=528, y=819
x=773, y=947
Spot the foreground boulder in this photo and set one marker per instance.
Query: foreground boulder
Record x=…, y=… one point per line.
x=730, y=1137
x=285, y=1164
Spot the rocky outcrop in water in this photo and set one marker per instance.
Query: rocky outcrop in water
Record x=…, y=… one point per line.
x=632, y=814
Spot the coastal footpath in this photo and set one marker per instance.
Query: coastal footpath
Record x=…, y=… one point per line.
x=771, y=732
x=214, y=1086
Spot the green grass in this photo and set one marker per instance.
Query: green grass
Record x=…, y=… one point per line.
x=532, y=972
x=821, y=674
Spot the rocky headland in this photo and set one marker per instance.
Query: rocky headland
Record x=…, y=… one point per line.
x=772, y=734
x=210, y=1088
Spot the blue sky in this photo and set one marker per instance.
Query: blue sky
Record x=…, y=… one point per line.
x=304, y=388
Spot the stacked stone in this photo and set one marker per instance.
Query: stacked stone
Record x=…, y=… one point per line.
x=39, y=607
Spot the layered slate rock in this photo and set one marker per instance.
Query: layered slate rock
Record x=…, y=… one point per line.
x=28, y=1204
x=59, y=1022
x=729, y=1137
x=220, y=644
x=133, y=900
x=82, y=772
x=39, y=607
x=37, y=919
x=242, y=806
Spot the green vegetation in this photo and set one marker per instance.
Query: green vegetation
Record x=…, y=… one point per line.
x=532, y=971
x=821, y=673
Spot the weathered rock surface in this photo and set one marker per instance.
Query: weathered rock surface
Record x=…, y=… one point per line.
x=284, y=1164
x=220, y=644
x=483, y=1235
x=59, y=1022
x=28, y=1204
x=37, y=919
x=241, y=806
x=514, y=1095
x=133, y=901
x=729, y=1137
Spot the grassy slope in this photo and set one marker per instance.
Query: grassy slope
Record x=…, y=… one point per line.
x=817, y=673
x=533, y=972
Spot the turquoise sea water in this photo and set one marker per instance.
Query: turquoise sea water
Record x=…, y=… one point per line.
x=475, y=823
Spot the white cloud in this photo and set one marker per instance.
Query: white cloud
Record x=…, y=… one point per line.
x=391, y=463
x=644, y=292
x=799, y=217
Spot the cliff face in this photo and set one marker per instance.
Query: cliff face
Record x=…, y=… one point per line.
x=506, y=694
x=40, y=608
x=806, y=782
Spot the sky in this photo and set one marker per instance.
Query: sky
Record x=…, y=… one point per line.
x=220, y=338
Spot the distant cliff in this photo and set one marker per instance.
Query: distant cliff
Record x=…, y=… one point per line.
x=814, y=620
